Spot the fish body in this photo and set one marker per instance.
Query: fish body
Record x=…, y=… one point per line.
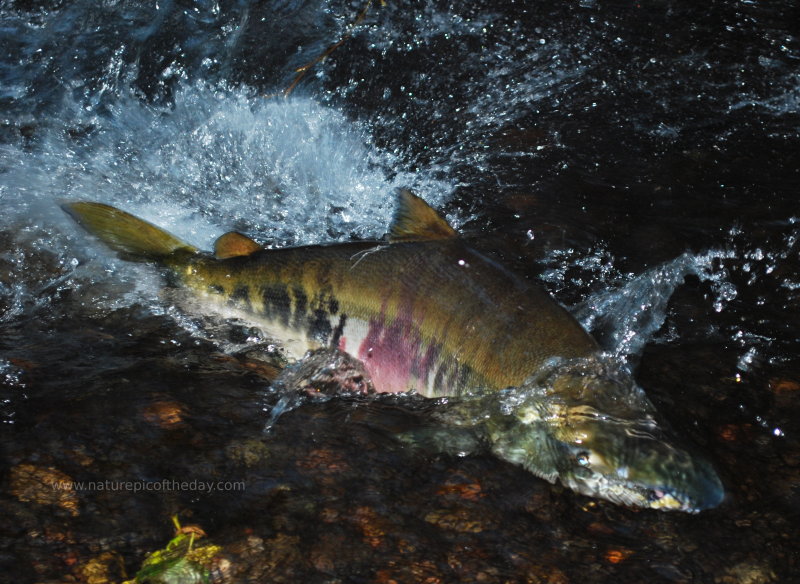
x=434, y=316
x=424, y=310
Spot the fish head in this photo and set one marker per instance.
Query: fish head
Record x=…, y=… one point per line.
x=594, y=430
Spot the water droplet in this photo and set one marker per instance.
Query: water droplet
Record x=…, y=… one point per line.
x=726, y=292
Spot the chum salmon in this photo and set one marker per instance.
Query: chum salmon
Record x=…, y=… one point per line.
x=423, y=310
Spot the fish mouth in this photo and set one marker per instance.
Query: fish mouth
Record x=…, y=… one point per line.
x=705, y=493
x=676, y=501
x=672, y=500
x=659, y=499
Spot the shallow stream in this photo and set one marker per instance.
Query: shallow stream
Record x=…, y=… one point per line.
x=639, y=159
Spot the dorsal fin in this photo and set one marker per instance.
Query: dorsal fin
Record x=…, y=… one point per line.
x=234, y=244
x=415, y=220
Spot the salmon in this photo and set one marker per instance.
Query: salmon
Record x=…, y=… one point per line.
x=424, y=310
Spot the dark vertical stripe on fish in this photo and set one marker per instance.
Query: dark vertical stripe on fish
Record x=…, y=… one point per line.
x=438, y=379
x=333, y=305
x=277, y=303
x=320, y=327
x=338, y=331
x=299, y=315
x=462, y=377
x=241, y=297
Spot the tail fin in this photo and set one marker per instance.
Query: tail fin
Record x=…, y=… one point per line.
x=130, y=236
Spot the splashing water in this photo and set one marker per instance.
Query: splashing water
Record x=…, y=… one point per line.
x=285, y=171
x=281, y=165
x=627, y=317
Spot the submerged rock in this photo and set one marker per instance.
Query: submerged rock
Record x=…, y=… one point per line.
x=44, y=486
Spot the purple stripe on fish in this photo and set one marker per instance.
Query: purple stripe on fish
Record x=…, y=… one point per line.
x=395, y=355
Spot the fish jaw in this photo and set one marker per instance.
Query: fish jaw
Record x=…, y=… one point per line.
x=596, y=432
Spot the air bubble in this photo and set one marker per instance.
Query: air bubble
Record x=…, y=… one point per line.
x=725, y=293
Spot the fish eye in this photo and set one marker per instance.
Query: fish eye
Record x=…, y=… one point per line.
x=582, y=458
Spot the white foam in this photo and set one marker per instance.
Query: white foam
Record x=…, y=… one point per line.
x=288, y=171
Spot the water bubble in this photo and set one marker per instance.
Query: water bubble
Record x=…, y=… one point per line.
x=726, y=292
x=746, y=360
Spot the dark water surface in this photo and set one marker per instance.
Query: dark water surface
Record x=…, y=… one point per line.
x=639, y=158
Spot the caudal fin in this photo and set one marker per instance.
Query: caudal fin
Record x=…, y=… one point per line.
x=125, y=233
